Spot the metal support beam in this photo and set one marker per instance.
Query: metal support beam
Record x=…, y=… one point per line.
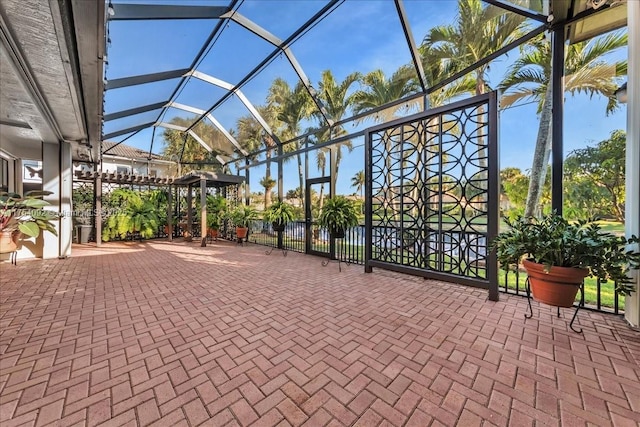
x=212, y=119
x=192, y=134
x=253, y=27
x=311, y=21
x=284, y=47
x=307, y=84
x=232, y=89
x=520, y=10
x=128, y=130
x=557, y=118
x=145, y=78
x=413, y=48
x=134, y=111
x=488, y=58
x=139, y=12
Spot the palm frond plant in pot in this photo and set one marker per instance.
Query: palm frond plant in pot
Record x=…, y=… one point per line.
x=338, y=213
x=279, y=214
x=242, y=217
x=559, y=254
x=23, y=216
x=216, y=206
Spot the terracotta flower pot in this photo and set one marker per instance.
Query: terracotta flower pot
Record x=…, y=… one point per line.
x=8, y=242
x=213, y=233
x=241, y=232
x=558, y=287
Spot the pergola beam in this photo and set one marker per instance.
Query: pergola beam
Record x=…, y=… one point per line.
x=139, y=12
x=145, y=78
x=134, y=111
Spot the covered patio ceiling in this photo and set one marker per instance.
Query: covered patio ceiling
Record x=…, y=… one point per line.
x=211, y=63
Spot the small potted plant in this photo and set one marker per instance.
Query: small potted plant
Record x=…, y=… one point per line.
x=242, y=216
x=23, y=215
x=338, y=214
x=559, y=254
x=213, y=225
x=279, y=214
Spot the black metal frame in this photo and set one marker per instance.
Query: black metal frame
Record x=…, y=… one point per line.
x=425, y=234
x=529, y=313
x=308, y=218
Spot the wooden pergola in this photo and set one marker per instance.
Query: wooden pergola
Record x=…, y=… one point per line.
x=203, y=180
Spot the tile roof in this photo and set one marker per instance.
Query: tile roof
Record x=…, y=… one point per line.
x=122, y=150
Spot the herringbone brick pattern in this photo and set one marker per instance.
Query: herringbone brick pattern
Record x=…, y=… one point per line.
x=173, y=334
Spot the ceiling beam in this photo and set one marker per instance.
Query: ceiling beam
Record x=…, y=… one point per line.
x=266, y=35
x=212, y=119
x=413, y=48
x=145, y=78
x=138, y=12
x=520, y=10
x=128, y=130
x=134, y=111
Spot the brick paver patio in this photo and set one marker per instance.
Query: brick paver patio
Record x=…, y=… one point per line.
x=172, y=334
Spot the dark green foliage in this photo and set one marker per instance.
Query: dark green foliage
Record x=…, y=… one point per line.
x=338, y=213
x=136, y=213
x=26, y=214
x=554, y=241
x=280, y=213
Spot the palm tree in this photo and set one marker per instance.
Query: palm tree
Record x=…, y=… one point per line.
x=585, y=71
x=478, y=32
x=252, y=136
x=337, y=102
x=292, y=107
x=358, y=181
x=378, y=91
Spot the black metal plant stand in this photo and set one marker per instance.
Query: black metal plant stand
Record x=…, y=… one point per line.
x=327, y=261
x=529, y=313
x=284, y=251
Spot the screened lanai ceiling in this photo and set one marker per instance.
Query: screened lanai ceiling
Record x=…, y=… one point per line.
x=209, y=69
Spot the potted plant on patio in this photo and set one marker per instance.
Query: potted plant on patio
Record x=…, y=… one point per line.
x=216, y=207
x=213, y=225
x=23, y=215
x=559, y=254
x=242, y=216
x=279, y=214
x=338, y=214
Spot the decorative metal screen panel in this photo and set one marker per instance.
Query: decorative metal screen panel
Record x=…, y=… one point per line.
x=432, y=193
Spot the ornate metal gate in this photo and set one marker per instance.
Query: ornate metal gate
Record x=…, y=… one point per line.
x=432, y=193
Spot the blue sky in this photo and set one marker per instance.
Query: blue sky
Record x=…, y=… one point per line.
x=362, y=35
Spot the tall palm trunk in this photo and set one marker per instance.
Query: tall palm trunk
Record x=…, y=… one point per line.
x=267, y=192
x=540, y=157
x=300, y=172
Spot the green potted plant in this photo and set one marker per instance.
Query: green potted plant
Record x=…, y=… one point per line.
x=135, y=215
x=279, y=214
x=216, y=206
x=23, y=215
x=213, y=225
x=242, y=216
x=338, y=214
x=559, y=254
